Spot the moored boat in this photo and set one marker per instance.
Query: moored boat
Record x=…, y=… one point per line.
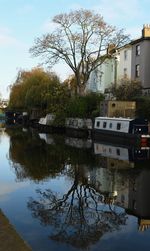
x=46, y=124
x=122, y=130
x=78, y=127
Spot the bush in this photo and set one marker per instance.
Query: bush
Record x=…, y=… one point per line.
x=84, y=106
x=143, y=107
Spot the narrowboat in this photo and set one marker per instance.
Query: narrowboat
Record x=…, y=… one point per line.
x=13, y=117
x=78, y=127
x=123, y=153
x=46, y=124
x=125, y=131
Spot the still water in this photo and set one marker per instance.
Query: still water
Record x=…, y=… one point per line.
x=68, y=194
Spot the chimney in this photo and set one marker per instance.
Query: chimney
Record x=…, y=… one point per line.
x=111, y=49
x=146, y=30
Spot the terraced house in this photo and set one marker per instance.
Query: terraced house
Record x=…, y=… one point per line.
x=131, y=61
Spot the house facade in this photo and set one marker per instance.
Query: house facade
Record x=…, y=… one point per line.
x=124, y=62
x=131, y=61
x=140, y=67
x=102, y=77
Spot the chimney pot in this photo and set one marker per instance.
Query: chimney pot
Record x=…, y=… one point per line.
x=146, y=30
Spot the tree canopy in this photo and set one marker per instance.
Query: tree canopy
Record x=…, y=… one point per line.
x=126, y=89
x=37, y=88
x=80, y=39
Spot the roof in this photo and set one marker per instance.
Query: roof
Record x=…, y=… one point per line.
x=115, y=119
x=139, y=40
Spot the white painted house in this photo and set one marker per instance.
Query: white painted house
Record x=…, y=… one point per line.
x=115, y=68
x=102, y=77
x=124, y=65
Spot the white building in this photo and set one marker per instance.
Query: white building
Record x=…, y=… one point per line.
x=114, y=68
x=102, y=77
x=124, y=62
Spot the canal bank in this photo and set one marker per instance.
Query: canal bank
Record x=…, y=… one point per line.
x=9, y=238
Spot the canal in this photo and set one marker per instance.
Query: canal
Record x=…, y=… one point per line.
x=62, y=193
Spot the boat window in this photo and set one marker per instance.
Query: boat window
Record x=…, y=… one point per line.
x=118, y=126
x=75, y=122
x=98, y=124
x=110, y=125
x=118, y=151
x=104, y=124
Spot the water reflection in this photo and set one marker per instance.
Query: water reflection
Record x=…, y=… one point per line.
x=80, y=216
x=108, y=183
x=34, y=158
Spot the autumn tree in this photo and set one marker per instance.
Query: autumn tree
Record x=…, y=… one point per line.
x=32, y=89
x=80, y=39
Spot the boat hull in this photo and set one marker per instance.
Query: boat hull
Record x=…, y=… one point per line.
x=119, y=137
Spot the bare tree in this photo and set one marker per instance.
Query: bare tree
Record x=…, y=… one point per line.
x=80, y=216
x=80, y=40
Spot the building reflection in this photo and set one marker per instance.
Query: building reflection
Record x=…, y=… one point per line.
x=124, y=179
x=139, y=198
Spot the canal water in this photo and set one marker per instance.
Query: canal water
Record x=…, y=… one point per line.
x=62, y=193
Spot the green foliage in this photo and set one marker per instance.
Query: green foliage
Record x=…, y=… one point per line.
x=37, y=89
x=42, y=90
x=126, y=90
x=143, y=107
x=84, y=106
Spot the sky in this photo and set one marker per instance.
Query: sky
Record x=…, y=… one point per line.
x=21, y=21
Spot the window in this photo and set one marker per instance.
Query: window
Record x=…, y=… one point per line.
x=110, y=125
x=104, y=124
x=137, y=70
x=125, y=55
x=138, y=50
x=118, y=152
x=98, y=124
x=118, y=126
x=113, y=105
x=125, y=72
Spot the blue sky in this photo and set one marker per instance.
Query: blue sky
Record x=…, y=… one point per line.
x=23, y=20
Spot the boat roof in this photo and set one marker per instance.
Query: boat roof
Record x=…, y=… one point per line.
x=114, y=118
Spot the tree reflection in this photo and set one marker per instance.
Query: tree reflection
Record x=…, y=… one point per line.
x=80, y=216
x=32, y=158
